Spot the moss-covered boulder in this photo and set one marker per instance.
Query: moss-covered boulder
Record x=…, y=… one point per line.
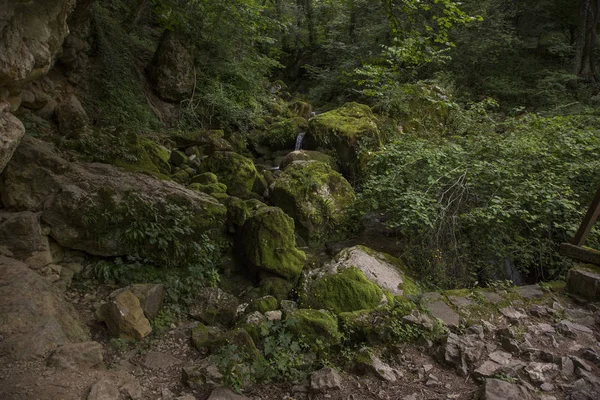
x=232, y=169
x=181, y=176
x=238, y=211
x=210, y=188
x=308, y=155
x=314, y=326
x=344, y=291
x=206, y=178
x=277, y=287
x=301, y=108
x=214, y=306
x=343, y=131
x=280, y=135
x=384, y=270
x=263, y=305
x=266, y=242
x=316, y=196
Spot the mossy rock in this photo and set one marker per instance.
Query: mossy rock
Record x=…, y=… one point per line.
x=178, y=158
x=344, y=291
x=314, y=326
x=263, y=305
x=281, y=135
x=343, y=131
x=279, y=288
x=181, y=176
x=317, y=197
x=266, y=241
x=234, y=170
x=150, y=157
x=239, y=210
x=301, y=108
x=205, y=338
x=210, y=188
x=205, y=178
x=308, y=155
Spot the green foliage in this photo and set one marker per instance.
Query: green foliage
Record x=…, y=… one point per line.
x=465, y=204
x=285, y=358
x=116, y=96
x=158, y=233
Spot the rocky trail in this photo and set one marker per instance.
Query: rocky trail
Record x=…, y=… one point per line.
x=195, y=263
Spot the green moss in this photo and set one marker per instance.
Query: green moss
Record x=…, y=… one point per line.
x=210, y=188
x=239, y=210
x=315, y=326
x=234, y=170
x=348, y=290
x=277, y=287
x=267, y=242
x=307, y=155
x=181, y=177
x=317, y=197
x=263, y=304
x=206, y=178
x=280, y=135
x=301, y=108
x=158, y=155
x=344, y=131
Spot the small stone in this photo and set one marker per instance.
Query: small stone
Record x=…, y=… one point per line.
x=541, y=372
x=274, y=315
x=367, y=361
x=104, y=389
x=501, y=357
x=571, y=329
x=495, y=389
x=512, y=314
x=591, y=355
x=427, y=367
x=579, y=363
x=212, y=306
x=124, y=316
x=325, y=380
x=567, y=367
x=547, y=387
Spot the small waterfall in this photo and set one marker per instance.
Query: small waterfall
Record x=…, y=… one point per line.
x=299, y=140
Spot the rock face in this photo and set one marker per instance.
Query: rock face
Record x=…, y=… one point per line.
x=266, y=241
x=32, y=34
x=124, y=316
x=79, y=201
x=11, y=132
x=172, y=69
x=151, y=297
x=33, y=317
x=341, y=131
x=232, y=169
x=316, y=197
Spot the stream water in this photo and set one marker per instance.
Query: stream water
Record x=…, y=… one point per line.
x=299, y=140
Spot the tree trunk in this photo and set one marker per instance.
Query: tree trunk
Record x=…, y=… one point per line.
x=589, y=16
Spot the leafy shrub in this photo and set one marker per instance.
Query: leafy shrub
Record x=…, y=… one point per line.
x=466, y=204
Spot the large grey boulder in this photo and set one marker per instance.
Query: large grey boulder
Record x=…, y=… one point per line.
x=172, y=69
x=214, y=306
x=11, y=132
x=78, y=200
x=33, y=317
x=32, y=34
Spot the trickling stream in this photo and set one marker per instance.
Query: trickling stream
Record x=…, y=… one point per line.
x=299, y=140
